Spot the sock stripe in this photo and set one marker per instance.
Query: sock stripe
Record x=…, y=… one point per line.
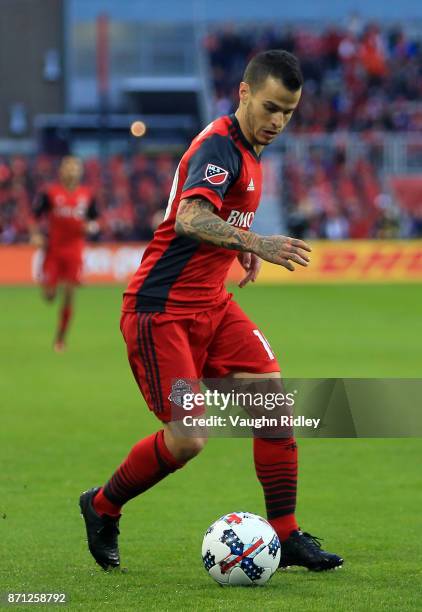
x=280, y=510
x=124, y=476
x=270, y=471
x=116, y=482
x=269, y=466
x=116, y=488
x=148, y=462
x=275, y=508
x=275, y=491
x=278, y=513
x=283, y=468
x=275, y=478
x=276, y=469
x=112, y=489
x=282, y=494
x=276, y=484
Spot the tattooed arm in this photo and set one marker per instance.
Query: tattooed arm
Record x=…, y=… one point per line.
x=196, y=219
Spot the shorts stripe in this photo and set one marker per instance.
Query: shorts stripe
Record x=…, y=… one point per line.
x=154, y=362
x=143, y=353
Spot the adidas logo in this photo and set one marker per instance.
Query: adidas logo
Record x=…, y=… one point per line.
x=251, y=186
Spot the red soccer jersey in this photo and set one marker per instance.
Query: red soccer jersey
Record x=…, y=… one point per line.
x=181, y=275
x=67, y=211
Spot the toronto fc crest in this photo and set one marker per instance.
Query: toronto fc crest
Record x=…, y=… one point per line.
x=179, y=389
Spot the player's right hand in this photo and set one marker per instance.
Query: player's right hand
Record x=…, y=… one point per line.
x=283, y=250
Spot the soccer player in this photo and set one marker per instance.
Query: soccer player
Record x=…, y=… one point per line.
x=70, y=211
x=179, y=322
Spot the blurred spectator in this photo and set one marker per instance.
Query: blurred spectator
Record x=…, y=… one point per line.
x=323, y=197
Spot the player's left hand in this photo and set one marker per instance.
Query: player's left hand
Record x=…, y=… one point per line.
x=92, y=227
x=251, y=263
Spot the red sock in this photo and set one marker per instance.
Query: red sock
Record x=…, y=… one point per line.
x=276, y=468
x=148, y=462
x=103, y=506
x=284, y=525
x=64, y=318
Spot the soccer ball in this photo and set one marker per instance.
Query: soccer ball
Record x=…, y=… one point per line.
x=241, y=549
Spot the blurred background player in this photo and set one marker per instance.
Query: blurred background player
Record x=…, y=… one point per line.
x=70, y=211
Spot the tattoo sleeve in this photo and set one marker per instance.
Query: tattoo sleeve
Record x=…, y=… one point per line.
x=196, y=219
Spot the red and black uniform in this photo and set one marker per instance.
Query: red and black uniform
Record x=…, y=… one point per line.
x=179, y=324
x=66, y=211
x=178, y=319
x=178, y=274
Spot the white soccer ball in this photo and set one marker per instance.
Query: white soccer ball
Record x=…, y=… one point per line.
x=241, y=549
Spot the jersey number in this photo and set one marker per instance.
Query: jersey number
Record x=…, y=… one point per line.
x=264, y=343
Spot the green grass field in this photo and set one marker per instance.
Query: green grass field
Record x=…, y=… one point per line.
x=67, y=420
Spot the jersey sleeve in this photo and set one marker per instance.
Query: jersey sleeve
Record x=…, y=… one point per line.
x=212, y=169
x=41, y=204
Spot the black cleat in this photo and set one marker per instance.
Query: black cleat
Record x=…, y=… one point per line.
x=305, y=550
x=102, y=532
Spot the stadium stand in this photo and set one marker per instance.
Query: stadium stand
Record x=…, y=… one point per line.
x=349, y=159
x=357, y=78
x=324, y=196
x=330, y=199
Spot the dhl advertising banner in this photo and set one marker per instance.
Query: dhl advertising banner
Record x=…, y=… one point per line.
x=331, y=262
x=355, y=261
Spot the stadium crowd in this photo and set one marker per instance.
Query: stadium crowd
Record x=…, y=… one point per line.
x=358, y=77
x=324, y=196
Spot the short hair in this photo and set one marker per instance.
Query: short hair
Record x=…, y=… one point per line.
x=276, y=63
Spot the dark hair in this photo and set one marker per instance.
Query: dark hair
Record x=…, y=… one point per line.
x=276, y=63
